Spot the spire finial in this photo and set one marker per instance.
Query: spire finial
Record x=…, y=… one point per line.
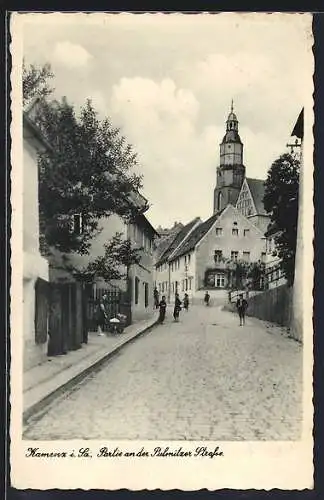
x=232, y=106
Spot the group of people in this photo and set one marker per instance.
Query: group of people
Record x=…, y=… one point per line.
x=241, y=306
x=177, y=307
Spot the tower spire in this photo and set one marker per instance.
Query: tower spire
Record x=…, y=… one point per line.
x=232, y=107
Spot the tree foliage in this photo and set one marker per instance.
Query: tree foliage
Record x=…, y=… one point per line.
x=281, y=202
x=87, y=172
x=241, y=273
x=113, y=264
x=35, y=81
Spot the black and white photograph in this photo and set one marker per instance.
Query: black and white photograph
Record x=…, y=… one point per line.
x=162, y=258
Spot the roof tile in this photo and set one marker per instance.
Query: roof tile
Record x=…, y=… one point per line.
x=257, y=190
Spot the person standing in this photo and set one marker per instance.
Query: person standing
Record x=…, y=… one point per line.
x=162, y=306
x=186, y=302
x=101, y=317
x=241, y=306
x=177, y=307
x=207, y=298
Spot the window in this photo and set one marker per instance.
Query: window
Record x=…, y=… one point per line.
x=172, y=266
x=234, y=231
x=219, y=231
x=137, y=290
x=263, y=257
x=246, y=256
x=189, y=257
x=190, y=283
x=219, y=201
x=77, y=224
x=218, y=255
x=162, y=286
x=186, y=284
x=234, y=255
x=220, y=281
x=246, y=232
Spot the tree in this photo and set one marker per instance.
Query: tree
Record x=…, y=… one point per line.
x=35, y=81
x=112, y=265
x=86, y=173
x=281, y=202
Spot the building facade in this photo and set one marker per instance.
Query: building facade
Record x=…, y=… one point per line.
x=206, y=255
x=274, y=275
x=139, y=280
x=212, y=251
x=164, y=284
x=35, y=266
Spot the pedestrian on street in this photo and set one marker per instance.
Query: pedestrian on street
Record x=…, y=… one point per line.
x=101, y=317
x=206, y=299
x=162, y=306
x=186, y=302
x=177, y=307
x=241, y=305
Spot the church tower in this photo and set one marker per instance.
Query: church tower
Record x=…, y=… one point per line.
x=231, y=171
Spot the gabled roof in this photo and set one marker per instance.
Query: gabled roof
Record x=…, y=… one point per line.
x=257, y=190
x=298, y=130
x=176, y=241
x=196, y=236
x=164, y=243
x=144, y=222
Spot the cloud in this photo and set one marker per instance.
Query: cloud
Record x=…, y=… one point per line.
x=71, y=55
x=178, y=163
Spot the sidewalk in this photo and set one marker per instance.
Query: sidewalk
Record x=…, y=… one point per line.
x=46, y=381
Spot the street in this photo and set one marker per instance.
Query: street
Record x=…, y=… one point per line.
x=204, y=378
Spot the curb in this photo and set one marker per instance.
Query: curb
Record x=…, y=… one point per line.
x=36, y=409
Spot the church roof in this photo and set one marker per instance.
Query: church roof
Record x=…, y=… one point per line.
x=196, y=235
x=231, y=136
x=257, y=190
x=165, y=242
x=176, y=241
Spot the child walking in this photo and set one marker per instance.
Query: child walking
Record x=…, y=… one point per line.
x=177, y=307
x=241, y=305
x=162, y=306
x=186, y=302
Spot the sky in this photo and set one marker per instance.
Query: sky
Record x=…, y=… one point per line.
x=168, y=82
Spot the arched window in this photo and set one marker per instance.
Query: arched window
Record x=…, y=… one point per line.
x=219, y=201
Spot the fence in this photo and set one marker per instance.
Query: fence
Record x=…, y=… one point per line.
x=274, y=305
x=66, y=319
x=272, y=277
x=115, y=302
x=66, y=312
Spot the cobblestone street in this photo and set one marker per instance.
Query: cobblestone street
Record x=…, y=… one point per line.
x=204, y=378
